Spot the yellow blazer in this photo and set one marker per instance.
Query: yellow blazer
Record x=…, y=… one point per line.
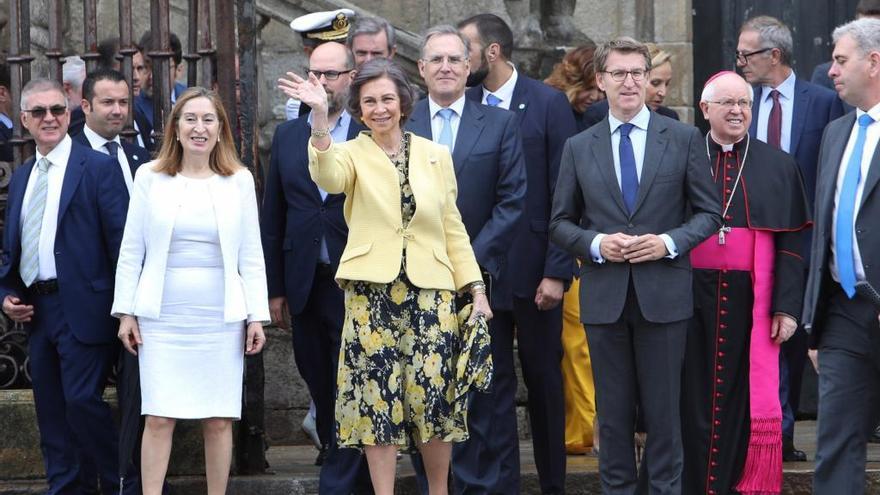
x=438, y=250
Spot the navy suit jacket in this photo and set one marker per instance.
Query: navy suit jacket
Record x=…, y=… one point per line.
x=545, y=122
x=294, y=218
x=491, y=175
x=91, y=218
x=814, y=107
x=5, y=145
x=136, y=155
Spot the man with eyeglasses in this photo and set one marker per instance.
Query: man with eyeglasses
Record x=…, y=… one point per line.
x=634, y=196
x=537, y=271
x=304, y=232
x=789, y=113
x=487, y=153
x=748, y=281
x=316, y=28
x=64, y=221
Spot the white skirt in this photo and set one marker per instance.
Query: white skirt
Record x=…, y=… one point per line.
x=191, y=361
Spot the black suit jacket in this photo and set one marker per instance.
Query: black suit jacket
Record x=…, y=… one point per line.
x=819, y=281
x=545, y=122
x=77, y=122
x=135, y=154
x=676, y=197
x=491, y=175
x=294, y=218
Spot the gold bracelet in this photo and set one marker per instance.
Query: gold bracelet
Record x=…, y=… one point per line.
x=320, y=133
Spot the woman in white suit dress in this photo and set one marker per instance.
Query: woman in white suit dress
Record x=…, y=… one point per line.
x=191, y=286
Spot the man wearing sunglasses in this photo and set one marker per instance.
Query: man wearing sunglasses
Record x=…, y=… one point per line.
x=789, y=113
x=64, y=221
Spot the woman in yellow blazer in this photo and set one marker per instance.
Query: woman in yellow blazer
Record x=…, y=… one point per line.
x=407, y=253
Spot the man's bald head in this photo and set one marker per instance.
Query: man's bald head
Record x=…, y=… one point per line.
x=332, y=49
x=725, y=79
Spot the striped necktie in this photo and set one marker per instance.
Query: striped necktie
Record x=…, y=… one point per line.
x=33, y=224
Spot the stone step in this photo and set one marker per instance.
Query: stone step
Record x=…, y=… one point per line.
x=294, y=473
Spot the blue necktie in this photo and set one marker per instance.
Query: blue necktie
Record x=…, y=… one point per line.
x=113, y=148
x=629, y=178
x=492, y=100
x=846, y=205
x=446, y=131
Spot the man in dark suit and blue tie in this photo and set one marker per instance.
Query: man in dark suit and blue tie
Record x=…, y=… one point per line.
x=789, y=113
x=537, y=269
x=487, y=154
x=634, y=197
x=106, y=106
x=304, y=233
x=64, y=221
x=846, y=251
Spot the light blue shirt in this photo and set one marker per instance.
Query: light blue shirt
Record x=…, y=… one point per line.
x=5, y=120
x=639, y=136
x=786, y=101
x=339, y=134
x=457, y=108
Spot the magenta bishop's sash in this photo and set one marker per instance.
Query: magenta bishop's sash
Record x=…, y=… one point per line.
x=754, y=251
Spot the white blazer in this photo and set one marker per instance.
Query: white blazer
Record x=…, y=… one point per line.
x=143, y=255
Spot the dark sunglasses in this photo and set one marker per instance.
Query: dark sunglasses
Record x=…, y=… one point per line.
x=40, y=112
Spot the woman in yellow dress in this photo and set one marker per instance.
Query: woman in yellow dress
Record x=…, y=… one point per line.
x=406, y=256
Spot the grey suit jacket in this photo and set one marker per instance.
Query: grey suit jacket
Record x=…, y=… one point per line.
x=676, y=197
x=867, y=233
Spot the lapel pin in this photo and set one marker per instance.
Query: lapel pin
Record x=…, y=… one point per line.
x=522, y=106
x=134, y=157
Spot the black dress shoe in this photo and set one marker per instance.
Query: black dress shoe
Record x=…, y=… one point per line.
x=875, y=435
x=790, y=453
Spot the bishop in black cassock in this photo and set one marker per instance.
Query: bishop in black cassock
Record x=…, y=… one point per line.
x=748, y=290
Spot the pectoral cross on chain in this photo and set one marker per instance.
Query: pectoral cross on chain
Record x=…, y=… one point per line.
x=722, y=233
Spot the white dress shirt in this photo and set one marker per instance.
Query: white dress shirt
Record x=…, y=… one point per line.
x=58, y=157
x=457, y=108
x=786, y=101
x=97, y=141
x=505, y=92
x=639, y=137
x=873, y=135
